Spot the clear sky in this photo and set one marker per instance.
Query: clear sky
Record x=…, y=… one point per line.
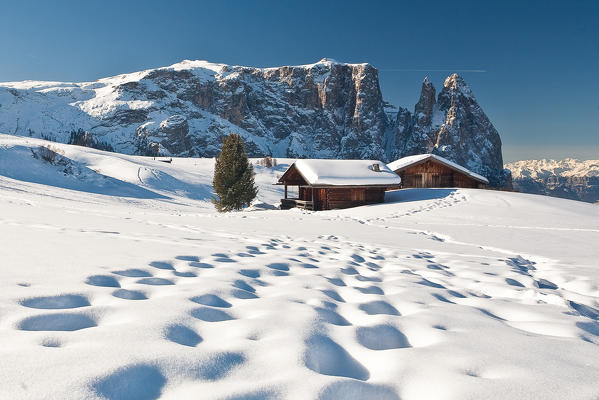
x=539, y=60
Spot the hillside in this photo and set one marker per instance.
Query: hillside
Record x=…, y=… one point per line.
x=569, y=178
x=323, y=110
x=118, y=280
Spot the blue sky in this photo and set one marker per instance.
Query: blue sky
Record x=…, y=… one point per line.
x=541, y=59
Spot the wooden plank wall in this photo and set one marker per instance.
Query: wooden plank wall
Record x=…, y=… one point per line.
x=434, y=174
x=352, y=197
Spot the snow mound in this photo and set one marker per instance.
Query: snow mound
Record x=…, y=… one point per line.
x=434, y=294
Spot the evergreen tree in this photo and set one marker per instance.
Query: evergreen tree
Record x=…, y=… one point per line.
x=233, y=176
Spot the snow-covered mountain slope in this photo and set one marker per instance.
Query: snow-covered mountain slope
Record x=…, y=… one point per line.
x=322, y=110
x=568, y=178
x=435, y=294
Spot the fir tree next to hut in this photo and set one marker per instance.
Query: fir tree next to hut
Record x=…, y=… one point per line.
x=233, y=176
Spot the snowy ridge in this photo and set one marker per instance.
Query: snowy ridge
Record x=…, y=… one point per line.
x=569, y=178
x=151, y=294
x=568, y=167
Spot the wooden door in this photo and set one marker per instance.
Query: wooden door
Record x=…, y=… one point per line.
x=322, y=197
x=436, y=180
x=358, y=195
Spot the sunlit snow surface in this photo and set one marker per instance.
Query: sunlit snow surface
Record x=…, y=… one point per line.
x=437, y=294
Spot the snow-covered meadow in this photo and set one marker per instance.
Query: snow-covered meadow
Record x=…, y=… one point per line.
x=118, y=280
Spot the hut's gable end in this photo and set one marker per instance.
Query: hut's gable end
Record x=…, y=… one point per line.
x=428, y=174
x=406, y=163
x=432, y=173
x=293, y=177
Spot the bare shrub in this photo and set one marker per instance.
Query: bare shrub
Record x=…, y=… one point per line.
x=267, y=162
x=49, y=154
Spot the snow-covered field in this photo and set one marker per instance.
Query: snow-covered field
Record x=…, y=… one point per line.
x=436, y=294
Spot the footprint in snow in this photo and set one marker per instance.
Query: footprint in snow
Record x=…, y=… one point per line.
x=249, y=273
x=254, y=250
x=187, y=274
x=331, y=317
x=358, y=390
x=62, y=301
x=545, y=284
x=382, y=337
x=57, y=322
x=162, y=265
x=217, y=366
x=182, y=335
x=188, y=258
x=456, y=294
x=336, y=281
x=363, y=278
x=102, y=280
x=51, y=342
x=129, y=294
x=243, y=294
x=378, y=307
x=358, y=258
x=133, y=273
x=241, y=284
x=333, y=295
x=211, y=300
x=349, y=271
x=513, y=282
x=133, y=382
x=196, y=264
x=155, y=281
x=327, y=357
x=370, y=290
x=441, y=298
x=264, y=394
x=426, y=282
x=208, y=314
x=279, y=266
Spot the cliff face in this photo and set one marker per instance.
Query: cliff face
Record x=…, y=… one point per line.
x=324, y=110
x=569, y=178
x=454, y=126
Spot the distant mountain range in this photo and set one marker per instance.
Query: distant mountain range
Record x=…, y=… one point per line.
x=569, y=178
x=326, y=110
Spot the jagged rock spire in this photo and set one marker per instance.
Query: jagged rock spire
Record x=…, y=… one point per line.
x=423, y=110
x=454, y=125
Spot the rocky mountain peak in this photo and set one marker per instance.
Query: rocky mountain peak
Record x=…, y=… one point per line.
x=423, y=110
x=454, y=83
x=328, y=60
x=454, y=126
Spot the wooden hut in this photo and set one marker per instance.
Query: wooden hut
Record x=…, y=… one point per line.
x=330, y=184
x=431, y=170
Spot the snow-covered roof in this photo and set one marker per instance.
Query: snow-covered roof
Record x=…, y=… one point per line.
x=345, y=173
x=405, y=162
